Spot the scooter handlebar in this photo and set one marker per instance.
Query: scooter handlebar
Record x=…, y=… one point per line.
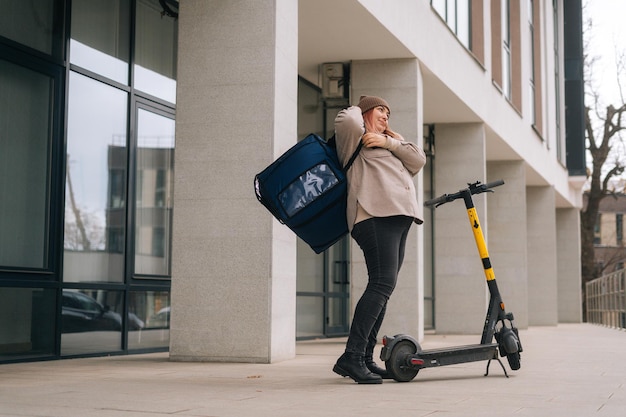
x=436, y=201
x=493, y=184
x=475, y=188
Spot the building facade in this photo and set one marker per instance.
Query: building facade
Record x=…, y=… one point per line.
x=131, y=131
x=609, y=250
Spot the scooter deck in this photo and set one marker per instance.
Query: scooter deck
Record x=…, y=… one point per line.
x=456, y=354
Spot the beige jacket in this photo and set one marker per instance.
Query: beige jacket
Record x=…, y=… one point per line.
x=380, y=181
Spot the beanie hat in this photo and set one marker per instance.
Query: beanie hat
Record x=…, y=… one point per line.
x=367, y=103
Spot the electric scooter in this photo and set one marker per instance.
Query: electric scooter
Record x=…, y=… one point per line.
x=402, y=354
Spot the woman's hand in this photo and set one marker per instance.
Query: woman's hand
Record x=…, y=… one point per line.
x=374, y=140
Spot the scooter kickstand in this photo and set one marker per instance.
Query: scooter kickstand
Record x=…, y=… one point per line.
x=501, y=364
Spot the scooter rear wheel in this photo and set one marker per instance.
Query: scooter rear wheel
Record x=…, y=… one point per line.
x=397, y=365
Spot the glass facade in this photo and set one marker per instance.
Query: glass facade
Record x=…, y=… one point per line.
x=91, y=321
x=95, y=182
x=154, y=331
x=27, y=330
x=33, y=24
x=156, y=40
x=154, y=193
x=557, y=82
x=100, y=39
x=26, y=105
x=87, y=120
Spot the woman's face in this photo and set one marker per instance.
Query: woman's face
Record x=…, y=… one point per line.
x=377, y=119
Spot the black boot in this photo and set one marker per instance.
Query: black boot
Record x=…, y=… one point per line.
x=352, y=365
x=374, y=368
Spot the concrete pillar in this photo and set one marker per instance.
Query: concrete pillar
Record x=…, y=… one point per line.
x=568, y=265
x=507, y=236
x=400, y=83
x=234, y=268
x=460, y=290
x=542, y=256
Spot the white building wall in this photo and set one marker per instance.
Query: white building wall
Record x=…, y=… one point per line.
x=460, y=290
x=508, y=236
x=542, y=258
x=568, y=264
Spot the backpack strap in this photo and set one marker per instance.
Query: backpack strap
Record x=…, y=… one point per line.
x=332, y=142
x=353, y=157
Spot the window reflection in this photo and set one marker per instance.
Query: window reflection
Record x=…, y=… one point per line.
x=27, y=325
x=25, y=107
x=155, y=51
x=95, y=182
x=153, y=307
x=154, y=193
x=92, y=321
x=309, y=309
x=29, y=22
x=100, y=37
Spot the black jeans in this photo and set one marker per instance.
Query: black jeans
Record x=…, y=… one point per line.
x=382, y=240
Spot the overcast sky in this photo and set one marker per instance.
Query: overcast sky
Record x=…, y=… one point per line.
x=607, y=35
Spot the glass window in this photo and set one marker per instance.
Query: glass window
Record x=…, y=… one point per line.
x=440, y=6
x=100, y=40
x=152, y=308
x=309, y=316
x=310, y=111
x=506, y=50
x=337, y=303
x=27, y=325
x=154, y=193
x=463, y=22
x=91, y=321
x=310, y=270
x=95, y=215
x=533, y=52
x=557, y=82
x=25, y=138
x=29, y=23
x=155, y=51
x=429, y=219
x=456, y=14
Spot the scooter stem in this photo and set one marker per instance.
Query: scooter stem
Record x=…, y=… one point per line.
x=478, y=236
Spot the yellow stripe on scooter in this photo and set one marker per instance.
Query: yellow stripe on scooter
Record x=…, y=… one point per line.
x=480, y=243
x=489, y=274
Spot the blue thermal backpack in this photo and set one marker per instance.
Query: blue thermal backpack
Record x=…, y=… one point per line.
x=305, y=189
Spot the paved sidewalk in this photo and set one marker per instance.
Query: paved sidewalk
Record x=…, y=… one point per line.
x=570, y=370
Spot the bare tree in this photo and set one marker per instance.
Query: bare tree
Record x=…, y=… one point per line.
x=82, y=230
x=80, y=226
x=603, y=127
x=600, y=144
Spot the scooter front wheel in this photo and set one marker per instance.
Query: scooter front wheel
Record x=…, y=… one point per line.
x=514, y=360
x=398, y=363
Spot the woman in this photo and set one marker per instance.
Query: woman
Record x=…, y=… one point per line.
x=382, y=205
